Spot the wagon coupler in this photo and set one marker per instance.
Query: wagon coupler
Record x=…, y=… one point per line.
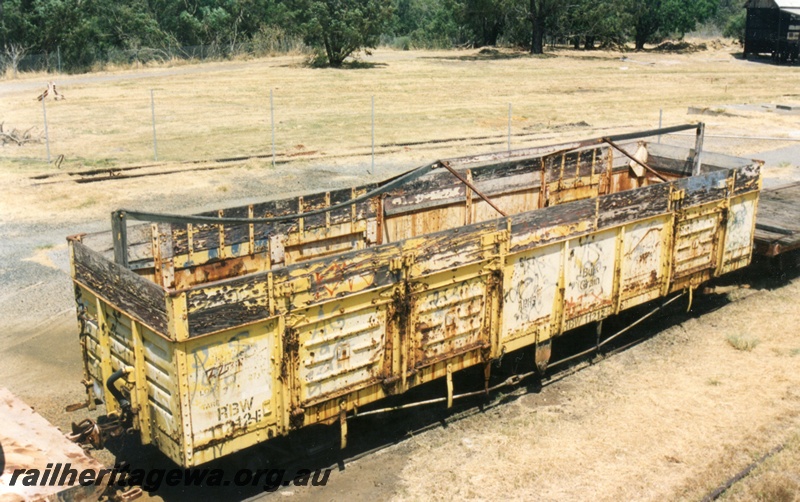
x=90, y=433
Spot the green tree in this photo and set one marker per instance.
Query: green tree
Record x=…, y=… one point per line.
x=653, y=18
x=726, y=11
x=485, y=19
x=15, y=24
x=341, y=27
x=428, y=23
x=220, y=22
x=85, y=30
x=603, y=21
x=736, y=27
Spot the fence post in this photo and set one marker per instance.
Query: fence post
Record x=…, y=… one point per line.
x=509, y=130
x=372, y=170
x=272, y=125
x=153, y=113
x=698, y=149
x=46, y=132
x=660, y=117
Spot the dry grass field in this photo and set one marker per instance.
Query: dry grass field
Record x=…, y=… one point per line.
x=672, y=418
x=221, y=110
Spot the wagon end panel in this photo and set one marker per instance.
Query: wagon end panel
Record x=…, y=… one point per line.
x=111, y=341
x=231, y=390
x=739, y=233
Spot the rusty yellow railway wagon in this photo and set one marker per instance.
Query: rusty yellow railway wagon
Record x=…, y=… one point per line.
x=217, y=331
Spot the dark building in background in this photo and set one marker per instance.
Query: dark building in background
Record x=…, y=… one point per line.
x=773, y=27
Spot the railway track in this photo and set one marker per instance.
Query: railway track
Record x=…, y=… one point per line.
x=281, y=158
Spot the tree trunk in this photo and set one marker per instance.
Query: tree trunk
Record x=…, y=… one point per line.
x=490, y=32
x=537, y=23
x=334, y=55
x=640, y=39
x=589, y=43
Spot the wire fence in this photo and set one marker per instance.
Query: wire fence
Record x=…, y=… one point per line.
x=170, y=126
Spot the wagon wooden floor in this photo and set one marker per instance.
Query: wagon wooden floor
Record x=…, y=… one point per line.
x=778, y=221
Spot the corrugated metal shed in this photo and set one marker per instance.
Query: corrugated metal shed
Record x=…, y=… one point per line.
x=790, y=6
x=770, y=4
x=773, y=27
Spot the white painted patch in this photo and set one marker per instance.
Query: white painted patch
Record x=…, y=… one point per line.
x=589, y=273
x=530, y=296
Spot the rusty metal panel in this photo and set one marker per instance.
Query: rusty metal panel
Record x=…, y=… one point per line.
x=243, y=298
x=452, y=249
x=695, y=242
x=121, y=287
x=551, y=224
x=705, y=188
x=109, y=341
x=340, y=352
x=29, y=442
x=644, y=246
x=315, y=249
x=120, y=338
x=435, y=220
x=398, y=227
x=748, y=179
x=448, y=320
x=431, y=191
x=231, y=383
x=531, y=289
x=161, y=393
x=589, y=277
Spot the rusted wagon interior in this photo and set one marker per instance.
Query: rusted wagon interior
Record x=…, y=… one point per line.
x=182, y=255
